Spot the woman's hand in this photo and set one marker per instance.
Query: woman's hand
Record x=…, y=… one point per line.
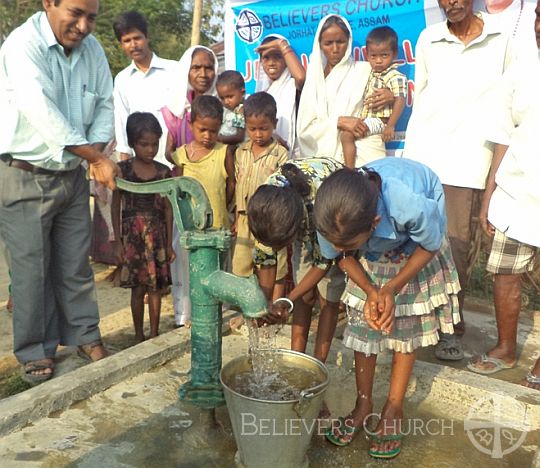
x=379, y=98
x=277, y=44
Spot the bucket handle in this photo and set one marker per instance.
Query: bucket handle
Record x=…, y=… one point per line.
x=305, y=398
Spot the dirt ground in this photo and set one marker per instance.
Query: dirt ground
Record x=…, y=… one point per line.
x=116, y=325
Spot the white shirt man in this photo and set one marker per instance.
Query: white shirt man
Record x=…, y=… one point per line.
x=144, y=85
x=459, y=63
x=515, y=203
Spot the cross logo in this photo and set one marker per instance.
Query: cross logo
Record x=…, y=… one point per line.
x=248, y=26
x=495, y=426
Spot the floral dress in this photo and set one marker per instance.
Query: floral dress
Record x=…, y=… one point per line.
x=144, y=233
x=316, y=170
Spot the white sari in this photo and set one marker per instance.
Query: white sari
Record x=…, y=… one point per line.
x=177, y=106
x=325, y=99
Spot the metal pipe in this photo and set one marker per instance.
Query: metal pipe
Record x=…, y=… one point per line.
x=242, y=292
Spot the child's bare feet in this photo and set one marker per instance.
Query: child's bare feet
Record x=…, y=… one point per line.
x=9, y=304
x=139, y=338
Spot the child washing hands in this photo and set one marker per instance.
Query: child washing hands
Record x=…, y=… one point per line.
x=401, y=293
x=403, y=290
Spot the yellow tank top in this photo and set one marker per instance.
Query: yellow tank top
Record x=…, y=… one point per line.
x=210, y=172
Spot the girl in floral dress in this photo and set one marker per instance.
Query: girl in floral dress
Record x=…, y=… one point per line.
x=143, y=225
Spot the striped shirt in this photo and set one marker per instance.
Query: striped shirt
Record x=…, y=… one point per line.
x=50, y=100
x=251, y=172
x=390, y=78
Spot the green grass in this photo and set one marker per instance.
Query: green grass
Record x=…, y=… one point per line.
x=12, y=384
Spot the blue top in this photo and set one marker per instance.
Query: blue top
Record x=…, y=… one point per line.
x=411, y=207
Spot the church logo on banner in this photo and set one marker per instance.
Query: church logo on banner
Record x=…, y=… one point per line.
x=249, y=27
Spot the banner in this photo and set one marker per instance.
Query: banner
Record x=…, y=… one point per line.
x=248, y=23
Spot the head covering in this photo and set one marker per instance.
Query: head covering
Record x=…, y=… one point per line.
x=325, y=99
x=283, y=90
x=179, y=99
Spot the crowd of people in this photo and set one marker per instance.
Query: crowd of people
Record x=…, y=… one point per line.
x=297, y=171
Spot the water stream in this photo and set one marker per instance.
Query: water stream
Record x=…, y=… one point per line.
x=270, y=378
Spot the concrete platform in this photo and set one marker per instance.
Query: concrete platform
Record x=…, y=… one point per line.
x=124, y=412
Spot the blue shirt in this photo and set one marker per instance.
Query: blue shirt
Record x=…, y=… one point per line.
x=411, y=207
x=49, y=100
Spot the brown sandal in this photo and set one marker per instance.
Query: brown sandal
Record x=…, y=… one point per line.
x=87, y=351
x=32, y=366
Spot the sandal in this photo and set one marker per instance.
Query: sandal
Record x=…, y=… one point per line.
x=497, y=365
x=341, y=434
x=380, y=440
x=32, y=366
x=531, y=381
x=86, y=351
x=449, y=348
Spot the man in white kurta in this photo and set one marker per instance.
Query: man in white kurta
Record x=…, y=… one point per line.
x=516, y=17
x=458, y=64
x=511, y=209
x=144, y=85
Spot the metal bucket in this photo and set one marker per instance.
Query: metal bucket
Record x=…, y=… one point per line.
x=274, y=433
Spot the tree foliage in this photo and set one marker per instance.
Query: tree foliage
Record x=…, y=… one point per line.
x=169, y=24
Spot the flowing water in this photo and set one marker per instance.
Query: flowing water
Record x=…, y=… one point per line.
x=270, y=378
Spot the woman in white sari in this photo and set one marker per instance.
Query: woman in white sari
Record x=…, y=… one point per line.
x=197, y=73
x=333, y=94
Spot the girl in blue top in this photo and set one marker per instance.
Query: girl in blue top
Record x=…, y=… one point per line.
x=403, y=290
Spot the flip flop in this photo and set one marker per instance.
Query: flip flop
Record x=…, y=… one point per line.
x=31, y=366
x=532, y=379
x=345, y=432
x=498, y=365
x=449, y=348
x=380, y=439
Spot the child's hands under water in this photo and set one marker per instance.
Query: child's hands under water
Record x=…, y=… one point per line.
x=279, y=312
x=379, y=309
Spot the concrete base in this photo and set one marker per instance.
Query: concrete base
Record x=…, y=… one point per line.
x=140, y=421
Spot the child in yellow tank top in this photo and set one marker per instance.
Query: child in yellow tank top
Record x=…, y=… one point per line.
x=206, y=160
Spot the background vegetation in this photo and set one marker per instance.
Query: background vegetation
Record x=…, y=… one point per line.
x=170, y=24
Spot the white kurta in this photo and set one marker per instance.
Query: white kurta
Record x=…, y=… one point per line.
x=515, y=205
x=137, y=91
x=454, y=85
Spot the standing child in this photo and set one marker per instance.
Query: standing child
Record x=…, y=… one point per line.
x=282, y=76
x=231, y=90
x=402, y=293
x=144, y=225
x=206, y=160
x=255, y=161
x=382, y=48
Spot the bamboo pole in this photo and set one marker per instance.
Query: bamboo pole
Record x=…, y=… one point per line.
x=196, y=25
